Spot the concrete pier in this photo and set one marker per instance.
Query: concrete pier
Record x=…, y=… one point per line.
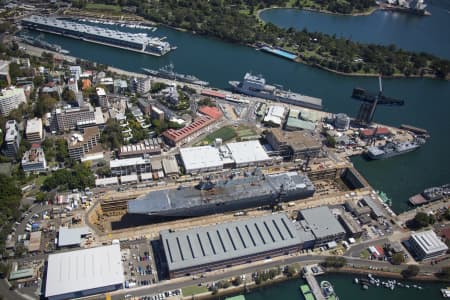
x=314, y=285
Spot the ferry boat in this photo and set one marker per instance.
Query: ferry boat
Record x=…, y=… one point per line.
x=328, y=290
x=138, y=42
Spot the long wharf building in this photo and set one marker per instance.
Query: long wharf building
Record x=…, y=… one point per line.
x=213, y=247
x=138, y=42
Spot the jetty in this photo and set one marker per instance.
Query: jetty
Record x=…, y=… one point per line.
x=312, y=282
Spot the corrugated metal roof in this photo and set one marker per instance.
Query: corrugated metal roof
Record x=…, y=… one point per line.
x=71, y=236
x=81, y=270
x=216, y=243
x=322, y=222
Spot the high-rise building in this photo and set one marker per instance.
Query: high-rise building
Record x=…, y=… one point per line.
x=75, y=72
x=70, y=118
x=12, y=139
x=4, y=71
x=102, y=98
x=81, y=145
x=34, y=132
x=143, y=85
x=34, y=160
x=10, y=99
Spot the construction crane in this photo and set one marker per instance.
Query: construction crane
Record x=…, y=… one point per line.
x=370, y=101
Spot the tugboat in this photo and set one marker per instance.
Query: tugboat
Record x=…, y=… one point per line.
x=328, y=290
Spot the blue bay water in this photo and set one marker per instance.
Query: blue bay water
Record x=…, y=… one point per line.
x=416, y=33
x=427, y=101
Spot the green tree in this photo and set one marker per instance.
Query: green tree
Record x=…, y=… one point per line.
x=397, y=259
x=444, y=273
x=112, y=136
x=411, y=271
x=422, y=219
x=69, y=96
x=334, y=262
x=237, y=281
x=290, y=272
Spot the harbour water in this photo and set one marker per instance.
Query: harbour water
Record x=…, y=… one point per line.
x=411, y=32
x=347, y=290
x=427, y=101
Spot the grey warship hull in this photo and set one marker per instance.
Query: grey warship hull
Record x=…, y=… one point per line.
x=230, y=196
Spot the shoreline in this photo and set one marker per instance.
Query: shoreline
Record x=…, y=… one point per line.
x=321, y=11
x=243, y=289
x=301, y=61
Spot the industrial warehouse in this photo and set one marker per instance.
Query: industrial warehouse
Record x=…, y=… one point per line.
x=213, y=247
x=213, y=158
x=84, y=272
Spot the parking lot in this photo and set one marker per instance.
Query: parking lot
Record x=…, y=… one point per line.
x=138, y=264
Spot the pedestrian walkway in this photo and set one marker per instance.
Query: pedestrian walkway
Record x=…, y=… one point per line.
x=315, y=288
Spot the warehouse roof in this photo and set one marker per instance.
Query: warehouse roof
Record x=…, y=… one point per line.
x=71, y=236
x=376, y=209
x=23, y=273
x=226, y=241
x=106, y=181
x=322, y=222
x=203, y=157
x=247, y=152
x=170, y=165
x=35, y=241
x=129, y=178
x=300, y=124
x=81, y=270
x=117, y=163
x=429, y=241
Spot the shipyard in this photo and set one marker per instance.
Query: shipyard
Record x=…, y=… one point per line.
x=163, y=185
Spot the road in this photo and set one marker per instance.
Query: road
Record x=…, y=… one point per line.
x=216, y=276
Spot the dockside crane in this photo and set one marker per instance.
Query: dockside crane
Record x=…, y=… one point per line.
x=370, y=101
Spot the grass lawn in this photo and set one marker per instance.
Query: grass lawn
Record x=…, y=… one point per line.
x=225, y=133
x=99, y=6
x=364, y=254
x=194, y=290
x=243, y=131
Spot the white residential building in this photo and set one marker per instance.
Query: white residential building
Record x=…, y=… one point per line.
x=34, y=132
x=143, y=85
x=34, y=160
x=75, y=72
x=10, y=99
x=12, y=138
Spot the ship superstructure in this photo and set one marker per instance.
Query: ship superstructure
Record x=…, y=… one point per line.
x=138, y=42
x=227, y=195
x=391, y=149
x=255, y=85
x=430, y=194
x=168, y=72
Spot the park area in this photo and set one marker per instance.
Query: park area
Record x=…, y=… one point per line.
x=194, y=290
x=228, y=133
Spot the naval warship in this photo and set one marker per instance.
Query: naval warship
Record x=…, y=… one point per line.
x=234, y=194
x=391, y=149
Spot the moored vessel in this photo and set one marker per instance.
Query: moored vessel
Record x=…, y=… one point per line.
x=168, y=72
x=138, y=42
x=328, y=290
x=391, y=149
x=430, y=194
x=255, y=85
